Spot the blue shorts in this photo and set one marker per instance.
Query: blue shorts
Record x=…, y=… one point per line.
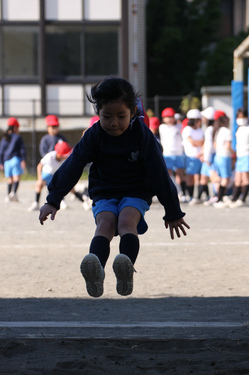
x=174, y=162
x=205, y=169
x=223, y=166
x=13, y=167
x=242, y=164
x=116, y=206
x=193, y=165
x=47, y=177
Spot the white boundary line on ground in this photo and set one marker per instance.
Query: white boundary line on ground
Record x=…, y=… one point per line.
x=145, y=244
x=84, y=324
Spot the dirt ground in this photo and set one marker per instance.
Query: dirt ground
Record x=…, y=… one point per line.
x=188, y=313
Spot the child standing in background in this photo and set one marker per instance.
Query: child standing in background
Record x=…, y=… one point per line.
x=127, y=170
x=208, y=153
x=171, y=141
x=193, y=139
x=241, y=182
x=47, y=167
x=222, y=138
x=12, y=158
x=49, y=140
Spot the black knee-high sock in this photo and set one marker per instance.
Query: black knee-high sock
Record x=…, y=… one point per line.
x=183, y=187
x=221, y=193
x=9, y=188
x=15, y=186
x=244, y=192
x=236, y=192
x=37, y=197
x=129, y=245
x=203, y=189
x=190, y=189
x=78, y=195
x=100, y=246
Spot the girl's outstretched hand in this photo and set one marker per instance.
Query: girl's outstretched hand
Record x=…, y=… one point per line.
x=177, y=225
x=46, y=210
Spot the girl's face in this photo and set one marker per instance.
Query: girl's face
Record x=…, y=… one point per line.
x=115, y=118
x=53, y=130
x=169, y=120
x=16, y=129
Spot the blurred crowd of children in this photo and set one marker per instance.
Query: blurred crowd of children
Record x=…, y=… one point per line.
x=197, y=151
x=199, y=156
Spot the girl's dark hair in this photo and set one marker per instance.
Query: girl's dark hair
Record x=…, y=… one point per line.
x=219, y=123
x=7, y=133
x=243, y=111
x=210, y=122
x=110, y=90
x=192, y=122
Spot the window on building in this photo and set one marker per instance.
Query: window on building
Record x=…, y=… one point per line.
x=20, y=51
x=101, y=50
x=63, y=52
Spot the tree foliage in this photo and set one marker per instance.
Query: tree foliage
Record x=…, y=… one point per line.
x=179, y=36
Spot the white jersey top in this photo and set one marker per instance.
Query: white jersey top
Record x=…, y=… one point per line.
x=50, y=163
x=195, y=135
x=222, y=136
x=171, y=139
x=242, y=141
x=208, y=148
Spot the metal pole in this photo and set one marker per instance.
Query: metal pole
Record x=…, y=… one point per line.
x=34, y=160
x=156, y=105
x=248, y=89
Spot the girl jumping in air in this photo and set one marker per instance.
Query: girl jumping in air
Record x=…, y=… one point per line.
x=127, y=170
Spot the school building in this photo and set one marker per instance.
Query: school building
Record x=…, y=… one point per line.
x=52, y=51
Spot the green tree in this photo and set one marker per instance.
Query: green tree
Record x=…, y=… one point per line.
x=219, y=63
x=177, y=32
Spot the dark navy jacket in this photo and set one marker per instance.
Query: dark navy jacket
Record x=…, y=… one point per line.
x=130, y=165
x=48, y=142
x=11, y=148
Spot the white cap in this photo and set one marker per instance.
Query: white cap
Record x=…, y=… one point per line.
x=194, y=114
x=177, y=116
x=208, y=113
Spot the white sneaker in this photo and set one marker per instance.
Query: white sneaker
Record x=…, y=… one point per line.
x=7, y=199
x=63, y=205
x=238, y=203
x=34, y=207
x=87, y=203
x=183, y=199
x=219, y=204
x=94, y=275
x=211, y=201
x=194, y=201
x=13, y=197
x=123, y=269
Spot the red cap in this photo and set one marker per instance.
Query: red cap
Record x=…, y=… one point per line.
x=62, y=148
x=93, y=120
x=52, y=120
x=12, y=121
x=218, y=114
x=154, y=122
x=168, y=112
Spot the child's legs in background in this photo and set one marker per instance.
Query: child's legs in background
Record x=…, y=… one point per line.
x=9, y=184
x=38, y=189
x=245, y=185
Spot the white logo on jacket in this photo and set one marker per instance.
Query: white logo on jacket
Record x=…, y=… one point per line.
x=134, y=156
